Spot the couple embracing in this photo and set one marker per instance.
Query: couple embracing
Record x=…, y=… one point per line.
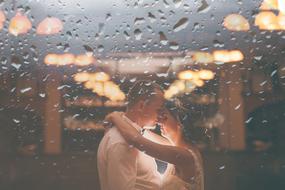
x=127, y=152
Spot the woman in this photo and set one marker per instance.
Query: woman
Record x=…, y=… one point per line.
x=185, y=171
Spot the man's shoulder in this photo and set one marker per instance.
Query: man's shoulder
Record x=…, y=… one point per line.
x=114, y=136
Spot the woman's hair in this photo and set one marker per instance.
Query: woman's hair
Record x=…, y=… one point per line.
x=191, y=133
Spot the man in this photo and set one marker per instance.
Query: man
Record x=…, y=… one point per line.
x=120, y=166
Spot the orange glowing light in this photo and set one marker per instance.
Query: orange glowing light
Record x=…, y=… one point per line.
x=81, y=77
x=98, y=87
x=236, y=56
x=227, y=56
x=2, y=19
x=84, y=60
x=187, y=75
x=266, y=21
x=49, y=26
x=269, y=5
x=236, y=22
x=203, y=57
x=51, y=59
x=221, y=56
x=19, y=24
x=66, y=59
x=206, y=74
x=281, y=21
x=281, y=6
x=100, y=77
x=199, y=83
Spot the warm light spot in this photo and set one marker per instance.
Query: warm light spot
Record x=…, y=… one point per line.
x=206, y=74
x=81, y=77
x=100, y=76
x=98, y=88
x=50, y=25
x=2, y=19
x=236, y=56
x=236, y=22
x=226, y=56
x=266, y=21
x=51, y=59
x=281, y=21
x=66, y=59
x=269, y=5
x=179, y=84
x=186, y=75
x=203, y=57
x=19, y=24
x=221, y=56
x=199, y=83
x=281, y=6
x=84, y=60
x=100, y=84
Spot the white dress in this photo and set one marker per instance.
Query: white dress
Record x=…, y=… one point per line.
x=171, y=181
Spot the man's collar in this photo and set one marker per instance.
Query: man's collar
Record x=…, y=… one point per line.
x=135, y=125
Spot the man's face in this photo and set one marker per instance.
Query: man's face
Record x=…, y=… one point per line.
x=152, y=108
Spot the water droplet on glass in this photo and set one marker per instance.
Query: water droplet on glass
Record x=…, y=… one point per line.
x=162, y=38
x=204, y=7
x=177, y=3
x=181, y=24
x=138, y=34
x=173, y=45
x=151, y=17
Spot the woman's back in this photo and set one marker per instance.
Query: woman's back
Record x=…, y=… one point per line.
x=172, y=180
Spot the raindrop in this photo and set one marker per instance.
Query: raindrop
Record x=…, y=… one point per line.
x=181, y=24
x=16, y=120
x=25, y=90
x=139, y=21
x=222, y=167
x=151, y=17
x=218, y=43
x=249, y=120
x=100, y=48
x=138, y=34
x=162, y=38
x=196, y=27
x=237, y=107
x=108, y=17
x=166, y=4
x=101, y=28
x=204, y=7
x=88, y=48
x=127, y=36
x=263, y=83
x=273, y=73
x=177, y=3
x=173, y=45
x=258, y=58
x=42, y=95
x=16, y=66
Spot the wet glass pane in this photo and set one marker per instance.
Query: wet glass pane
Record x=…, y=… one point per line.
x=146, y=94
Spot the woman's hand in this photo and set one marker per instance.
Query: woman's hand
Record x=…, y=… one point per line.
x=113, y=116
x=129, y=132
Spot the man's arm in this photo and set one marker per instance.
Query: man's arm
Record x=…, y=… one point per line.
x=121, y=167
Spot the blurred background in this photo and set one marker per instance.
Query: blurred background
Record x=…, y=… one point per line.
x=65, y=64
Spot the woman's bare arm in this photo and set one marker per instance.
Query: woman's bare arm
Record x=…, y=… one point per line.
x=156, y=138
x=178, y=156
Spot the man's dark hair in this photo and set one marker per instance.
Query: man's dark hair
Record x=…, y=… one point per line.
x=142, y=90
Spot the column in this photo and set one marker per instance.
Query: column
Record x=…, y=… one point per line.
x=52, y=132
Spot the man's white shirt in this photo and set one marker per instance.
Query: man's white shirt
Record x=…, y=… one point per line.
x=122, y=167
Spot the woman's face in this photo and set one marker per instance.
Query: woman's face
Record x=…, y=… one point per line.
x=169, y=126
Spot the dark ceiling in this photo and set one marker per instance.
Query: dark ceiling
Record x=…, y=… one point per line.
x=112, y=26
